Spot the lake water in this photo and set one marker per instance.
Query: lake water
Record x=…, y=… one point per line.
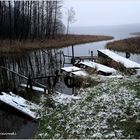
x=19, y=127
x=118, y=32
x=39, y=63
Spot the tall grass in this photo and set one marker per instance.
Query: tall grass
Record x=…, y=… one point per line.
x=126, y=45
x=15, y=46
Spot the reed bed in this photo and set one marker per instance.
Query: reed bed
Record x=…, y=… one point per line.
x=16, y=46
x=131, y=45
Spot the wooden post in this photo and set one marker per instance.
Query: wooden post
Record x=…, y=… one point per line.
x=127, y=55
x=91, y=55
x=60, y=58
x=73, y=91
x=29, y=82
x=72, y=55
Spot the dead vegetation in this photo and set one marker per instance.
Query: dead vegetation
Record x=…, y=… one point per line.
x=126, y=45
x=85, y=81
x=7, y=46
x=118, y=66
x=91, y=70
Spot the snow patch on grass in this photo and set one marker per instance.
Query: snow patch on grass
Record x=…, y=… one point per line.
x=101, y=112
x=64, y=98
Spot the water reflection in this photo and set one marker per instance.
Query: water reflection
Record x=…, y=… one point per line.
x=18, y=127
x=85, y=50
x=36, y=64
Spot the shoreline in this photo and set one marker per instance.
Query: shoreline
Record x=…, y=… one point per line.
x=131, y=45
x=136, y=33
x=60, y=41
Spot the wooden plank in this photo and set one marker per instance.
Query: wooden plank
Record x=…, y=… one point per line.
x=20, y=75
x=82, y=57
x=75, y=70
x=20, y=104
x=126, y=62
x=39, y=89
x=24, y=77
x=99, y=67
x=80, y=73
x=70, y=69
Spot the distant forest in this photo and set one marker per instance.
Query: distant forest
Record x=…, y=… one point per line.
x=30, y=19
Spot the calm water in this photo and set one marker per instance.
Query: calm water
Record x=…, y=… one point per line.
x=13, y=123
x=118, y=32
x=45, y=63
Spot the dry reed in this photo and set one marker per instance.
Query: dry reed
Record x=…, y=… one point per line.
x=16, y=46
x=126, y=45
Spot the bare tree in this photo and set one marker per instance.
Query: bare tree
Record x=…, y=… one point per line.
x=30, y=19
x=55, y=16
x=70, y=18
x=10, y=22
x=42, y=19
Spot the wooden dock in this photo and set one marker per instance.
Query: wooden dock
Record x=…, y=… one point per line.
x=35, y=88
x=102, y=69
x=70, y=69
x=74, y=70
x=20, y=104
x=82, y=57
x=113, y=56
x=99, y=67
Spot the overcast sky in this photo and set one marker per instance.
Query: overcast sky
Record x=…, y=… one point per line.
x=103, y=12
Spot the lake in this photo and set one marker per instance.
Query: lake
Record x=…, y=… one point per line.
x=118, y=32
x=42, y=63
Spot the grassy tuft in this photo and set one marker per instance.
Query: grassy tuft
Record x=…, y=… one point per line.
x=85, y=82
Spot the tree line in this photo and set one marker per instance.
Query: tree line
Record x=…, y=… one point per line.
x=30, y=19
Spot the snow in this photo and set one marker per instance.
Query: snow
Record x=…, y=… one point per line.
x=75, y=70
x=99, y=67
x=112, y=76
x=70, y=69
x=34, y=88
x=80, y=73
x=20, y=104
x=104, y=107
x=64, y=98
x=98, y=113
x=126, y=62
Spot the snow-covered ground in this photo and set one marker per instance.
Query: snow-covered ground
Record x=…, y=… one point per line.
x=109, y=110
x=64, y=98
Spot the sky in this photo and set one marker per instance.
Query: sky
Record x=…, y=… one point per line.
x=103, y=12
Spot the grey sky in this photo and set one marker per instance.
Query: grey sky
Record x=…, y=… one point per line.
x=104, y=12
